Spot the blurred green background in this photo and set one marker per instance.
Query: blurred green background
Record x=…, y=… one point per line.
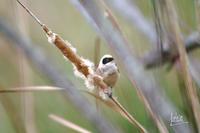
x=63, y=18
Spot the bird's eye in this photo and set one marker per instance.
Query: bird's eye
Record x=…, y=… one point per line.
x=107, y=60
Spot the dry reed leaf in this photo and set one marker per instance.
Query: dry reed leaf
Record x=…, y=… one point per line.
x=68, y=124
x=31, y=89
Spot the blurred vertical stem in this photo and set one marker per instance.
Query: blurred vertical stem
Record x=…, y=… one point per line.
x=158, y=25
x=190, y=87
x=197, y=13
x=97, y=51
x=27, y=110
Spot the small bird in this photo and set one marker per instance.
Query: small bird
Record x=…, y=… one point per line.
x=109, y=71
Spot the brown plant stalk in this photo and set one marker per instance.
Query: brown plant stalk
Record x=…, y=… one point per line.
x=79, y=63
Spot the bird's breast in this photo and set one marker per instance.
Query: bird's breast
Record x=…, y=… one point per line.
x=111, y=79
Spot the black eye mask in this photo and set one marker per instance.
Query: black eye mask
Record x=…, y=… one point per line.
x=107, y=60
